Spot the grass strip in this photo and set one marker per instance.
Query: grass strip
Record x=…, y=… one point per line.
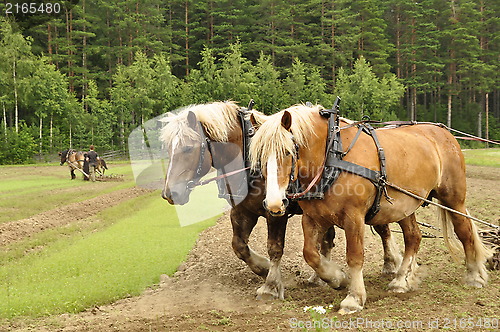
x=143, y=241
x=483, y=157
x=47, y=192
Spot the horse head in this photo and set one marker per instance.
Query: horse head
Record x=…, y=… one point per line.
x=63, y=155
x=190, y=157
x=275, y=148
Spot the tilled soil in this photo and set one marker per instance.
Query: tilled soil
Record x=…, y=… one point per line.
x=215, y=291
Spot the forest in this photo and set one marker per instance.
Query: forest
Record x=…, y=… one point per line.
x=75, y=73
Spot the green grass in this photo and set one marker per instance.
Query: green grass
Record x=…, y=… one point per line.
x=143, y=241
x=483, y=157
x=21, y=185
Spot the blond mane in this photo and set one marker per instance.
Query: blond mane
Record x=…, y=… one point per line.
x=273, y=138
x=217, y=118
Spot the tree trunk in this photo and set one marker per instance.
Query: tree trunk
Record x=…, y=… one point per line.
x=4, y=121
x=479, y=124
x=49, y=41
x=398, y=45
x=486, y=111
x=122, y=134
x=448, y=122
x=186, y=21
x=333, y=43
x=84, y=62
x=40, y=135
x=413, y=102
x=51, y=131
x=16, y=106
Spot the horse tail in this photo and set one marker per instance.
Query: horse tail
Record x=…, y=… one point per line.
x=455, y=247
x=450, y=239
x=483, y=253
x=104, y=164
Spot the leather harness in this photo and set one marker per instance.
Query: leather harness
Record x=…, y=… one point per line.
x=334, y=163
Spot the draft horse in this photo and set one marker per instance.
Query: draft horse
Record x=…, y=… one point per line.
x=215, y=134
x=75, y=159
x=424, y=159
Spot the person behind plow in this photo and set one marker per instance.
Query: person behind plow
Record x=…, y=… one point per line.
x=91, y=161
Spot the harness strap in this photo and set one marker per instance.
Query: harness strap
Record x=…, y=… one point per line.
x=347, y=166
x=360, y=129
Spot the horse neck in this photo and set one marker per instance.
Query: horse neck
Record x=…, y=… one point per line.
x=312, y=156
x=225, y=153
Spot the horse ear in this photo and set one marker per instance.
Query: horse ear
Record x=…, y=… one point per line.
x=253, y=120
x=286, y=120
x=192, y=121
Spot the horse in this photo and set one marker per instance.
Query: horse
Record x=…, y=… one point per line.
x=197, y=139
x=425, y=159
x=212, y=134
x=75, y=159
x=101, y=166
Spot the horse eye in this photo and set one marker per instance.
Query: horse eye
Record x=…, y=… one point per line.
x=187, y=149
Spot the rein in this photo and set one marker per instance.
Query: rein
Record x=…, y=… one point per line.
x=191, y=184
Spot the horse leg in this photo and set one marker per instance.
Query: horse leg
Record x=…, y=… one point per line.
x=406, y=278
x=356, y=296
x=73, y=176
x=327, y=270
x=326, y=244
x=476, y=253
x=392, y=257
x=273, y=287
x=243, y=223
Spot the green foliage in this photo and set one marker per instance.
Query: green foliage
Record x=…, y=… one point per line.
x=17, y=148
x=95, y=74
x=363, y=93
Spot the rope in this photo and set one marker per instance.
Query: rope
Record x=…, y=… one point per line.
x=409, y=193
x=472, y=136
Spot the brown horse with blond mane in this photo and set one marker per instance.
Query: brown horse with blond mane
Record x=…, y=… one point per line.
x=423, y=159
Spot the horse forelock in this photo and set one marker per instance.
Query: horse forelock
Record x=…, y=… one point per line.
x=177, y=126
x=273, y=138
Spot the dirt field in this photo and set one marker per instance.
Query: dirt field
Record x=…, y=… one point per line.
x=214, y=291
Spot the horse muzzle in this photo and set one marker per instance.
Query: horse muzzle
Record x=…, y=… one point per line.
x=276, y=211
x=175, y=197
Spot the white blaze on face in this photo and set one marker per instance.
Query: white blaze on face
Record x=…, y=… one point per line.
x=274, y=194
x=175, y=142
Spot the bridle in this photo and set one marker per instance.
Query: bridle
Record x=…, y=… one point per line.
x=206, y=145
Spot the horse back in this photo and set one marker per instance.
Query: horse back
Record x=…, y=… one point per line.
x=419, y=158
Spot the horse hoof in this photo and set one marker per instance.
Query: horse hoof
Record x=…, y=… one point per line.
x=349, y=306
x=389, y=270
x=398, y=290
x=347, y=311
x=476, y=280
x=270, y=293
x=475, y=283
x=315, y=280
x=396, y=286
